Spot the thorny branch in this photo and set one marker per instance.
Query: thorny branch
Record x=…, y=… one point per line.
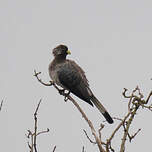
x=134, y=103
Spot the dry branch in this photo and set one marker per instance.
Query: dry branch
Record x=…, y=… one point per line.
x=134, y=103
x=67, y=96
x=33, y=135
x=54, y=149
x=1, y=105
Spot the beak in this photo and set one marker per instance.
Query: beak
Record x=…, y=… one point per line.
x=68, y=52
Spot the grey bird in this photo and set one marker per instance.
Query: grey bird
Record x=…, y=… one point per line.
x=67, y=74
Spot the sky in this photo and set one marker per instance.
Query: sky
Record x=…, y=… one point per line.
x=110, y=40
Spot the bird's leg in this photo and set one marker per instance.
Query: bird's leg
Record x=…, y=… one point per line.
x=66, y=96
x=61, y=91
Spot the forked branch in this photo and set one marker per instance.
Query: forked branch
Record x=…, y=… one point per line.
x=67, y=96
x=33, y=135
x=135, y=102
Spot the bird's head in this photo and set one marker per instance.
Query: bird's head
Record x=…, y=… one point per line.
x=61, y=51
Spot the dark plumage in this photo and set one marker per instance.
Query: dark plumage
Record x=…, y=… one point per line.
x=67, y=74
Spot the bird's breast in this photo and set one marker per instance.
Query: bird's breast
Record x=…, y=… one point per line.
x=53, y=72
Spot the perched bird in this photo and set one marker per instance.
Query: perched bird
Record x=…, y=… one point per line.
x=67, y=74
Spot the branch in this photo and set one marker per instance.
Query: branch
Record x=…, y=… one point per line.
x=46, y=84
x=89, y=137
x=115, y=131
x=35, y=126
x=1, y=105
x=68, y=97
x=33, y=135
x=99, y=131
x=122, y=149
x=135, y=102
x=83, y=149
x=98, y=141
x=133, y=136
x=42, y=132
x=54, y=149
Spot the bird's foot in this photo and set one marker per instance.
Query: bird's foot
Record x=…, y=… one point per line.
x=62, y=91
x=66, y=96
x=52, y=82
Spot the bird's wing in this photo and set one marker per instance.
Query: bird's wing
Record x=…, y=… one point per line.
x=80, y=70
x=72, y=78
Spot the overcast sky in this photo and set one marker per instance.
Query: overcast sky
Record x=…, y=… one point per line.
x=110, y=39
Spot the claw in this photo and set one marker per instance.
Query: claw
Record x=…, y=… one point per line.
x=66, y=96
x=61, y=91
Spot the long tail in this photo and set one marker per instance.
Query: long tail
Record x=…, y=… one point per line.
x=102, y=109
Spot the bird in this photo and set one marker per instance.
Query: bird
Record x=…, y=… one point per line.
x=70, y=76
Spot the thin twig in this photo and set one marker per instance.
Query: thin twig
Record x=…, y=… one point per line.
x=1, y=105
x=99, y=131
x=54, y=149
x=150, y=94
x=33, y=135
x=118, y=127
x=122, y=148
x=148, y=107
x=133, y=136
x=35, y=125
x=46, y=84
x=42, y=132
x=89, y=137
x=83, y=149
x=117, y=118
x=115, y=131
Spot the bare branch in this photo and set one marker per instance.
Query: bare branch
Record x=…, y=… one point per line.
x=133, y=136
x=83, y=149
x=122, y=149
x=33, y=135
x=148, y=107
x=46, y=84
x=54, y=149
x=99, y=131
x=124, y=93
x=42, y=132
x=117, y=118
x=117, y=128
x=1, y=105
x=35, y=125
x=89, y=137
x=67, y=96
x=98, y=141
x=150, y=94
x=134, y=103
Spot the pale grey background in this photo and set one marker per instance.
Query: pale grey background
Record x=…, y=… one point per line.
x=110, y=39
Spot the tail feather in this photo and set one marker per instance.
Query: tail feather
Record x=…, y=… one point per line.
x=102, y=109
